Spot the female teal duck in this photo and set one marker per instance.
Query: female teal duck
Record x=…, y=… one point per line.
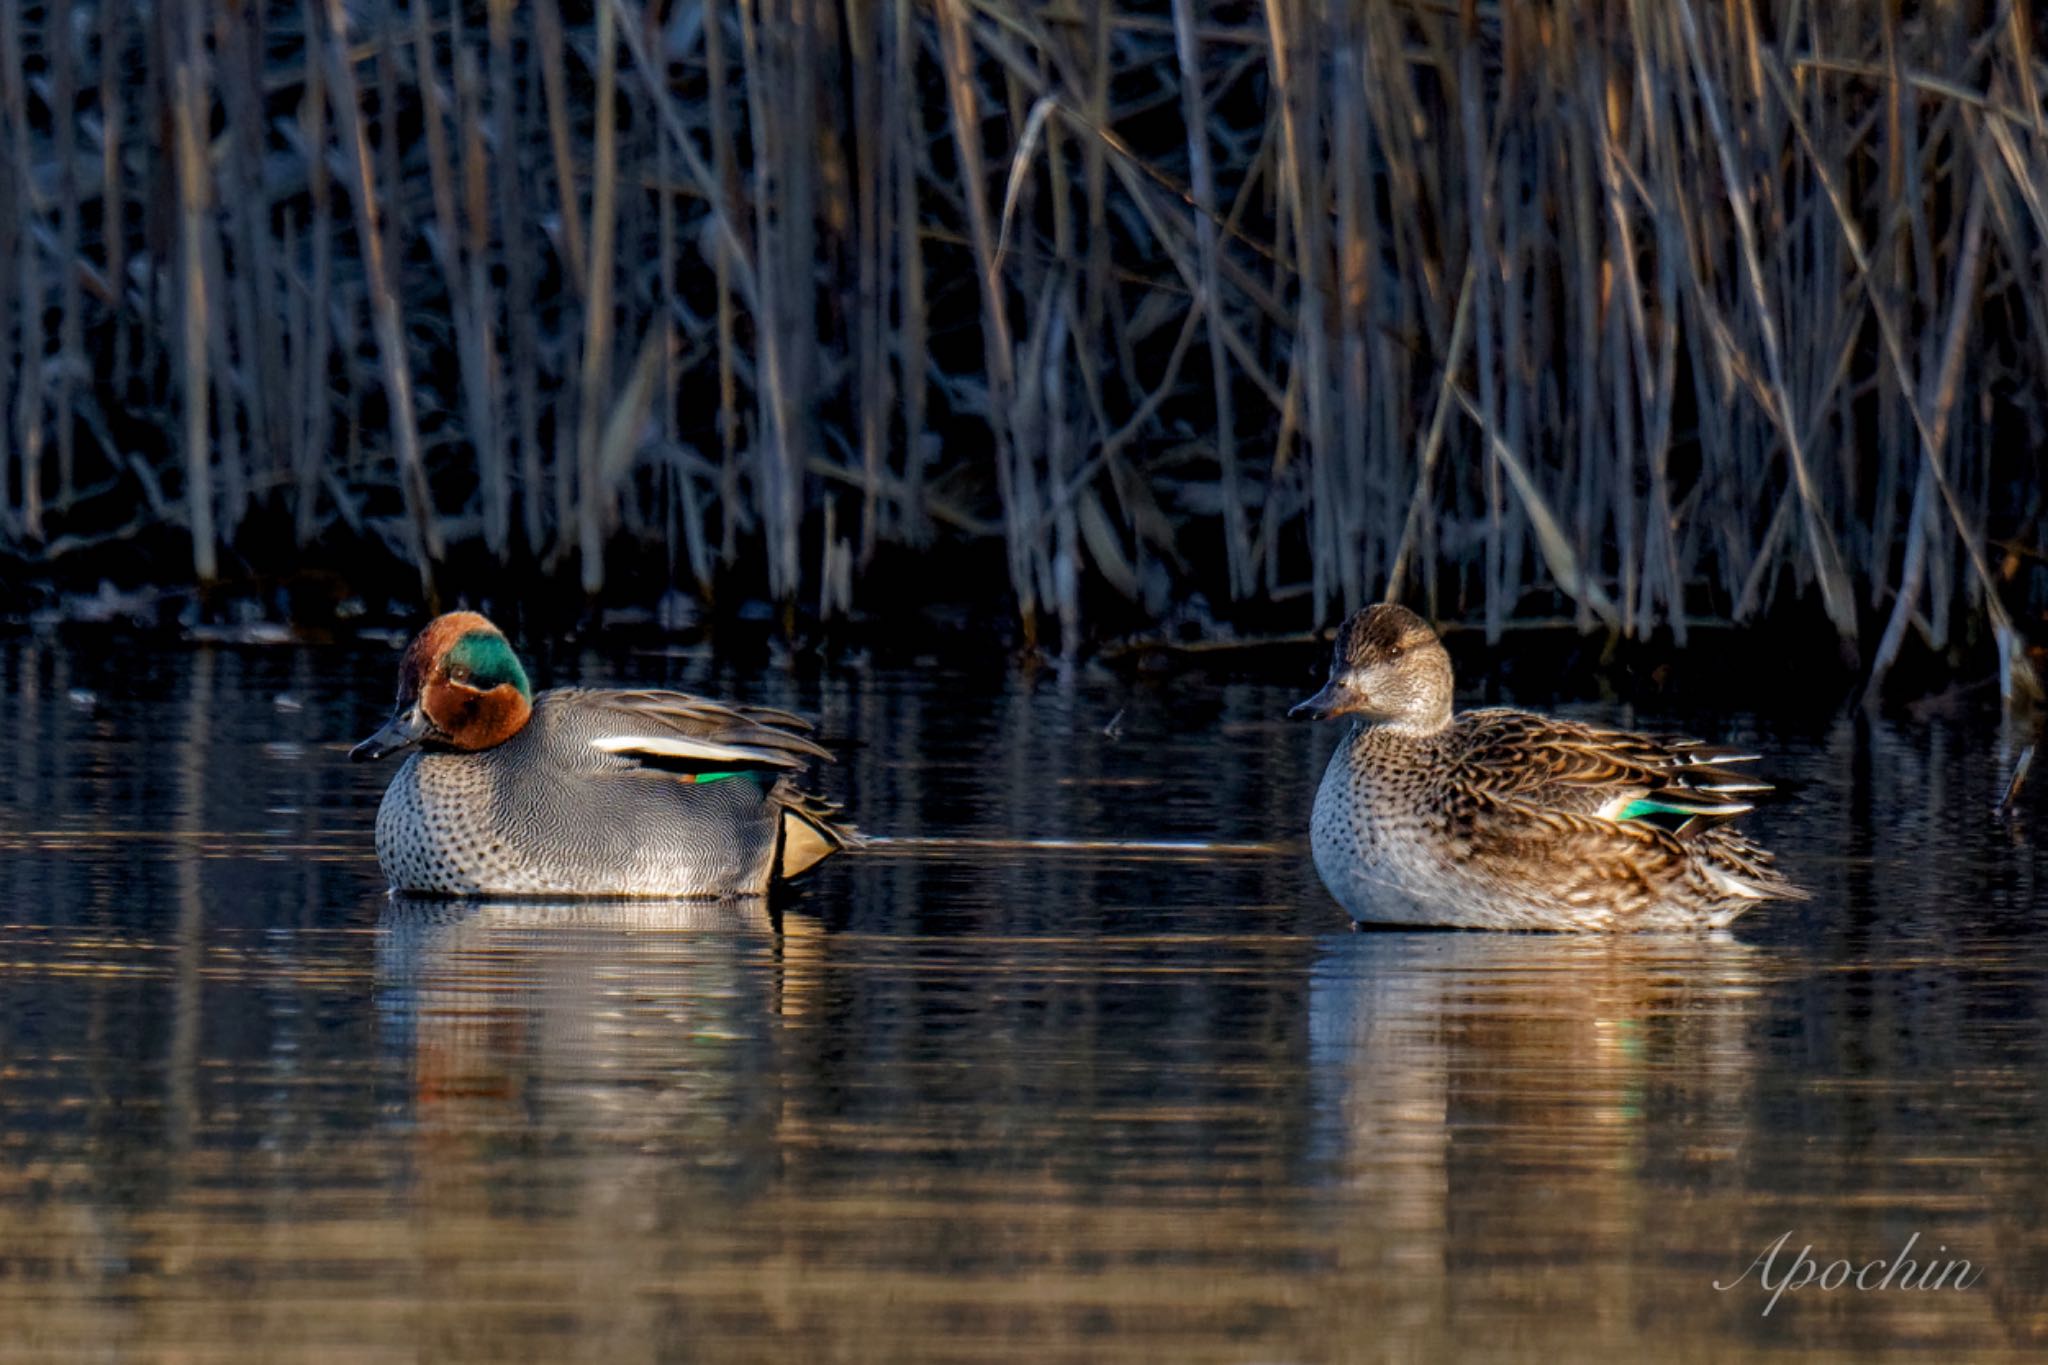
x=1501, y=819
x=579, y=792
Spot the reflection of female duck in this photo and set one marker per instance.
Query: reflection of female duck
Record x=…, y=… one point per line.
x=1538, y=1014
x=1517, y=1117
x=581, y=792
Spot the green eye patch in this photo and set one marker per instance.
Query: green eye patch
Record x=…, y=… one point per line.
x=489, y=661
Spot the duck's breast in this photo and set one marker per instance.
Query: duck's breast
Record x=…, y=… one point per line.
x=1371, y=836
x=434, y=833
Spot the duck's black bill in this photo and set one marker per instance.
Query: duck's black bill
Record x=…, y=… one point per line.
x=1331, y=701
x=400, y=733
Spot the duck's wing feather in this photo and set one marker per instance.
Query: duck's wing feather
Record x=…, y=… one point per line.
x=664, y=729
x=1548, y=764
x=1613, y=871
x=1607, y=871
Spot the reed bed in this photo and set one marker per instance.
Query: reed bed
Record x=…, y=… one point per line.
x=1637, y=314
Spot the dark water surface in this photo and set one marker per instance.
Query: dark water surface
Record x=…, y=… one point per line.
x=976, y=1098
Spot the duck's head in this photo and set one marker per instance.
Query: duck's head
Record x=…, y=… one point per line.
x=1389, y=668
x=460, y=687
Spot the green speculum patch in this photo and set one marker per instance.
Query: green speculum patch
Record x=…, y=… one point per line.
x=490, y=661
x=1665, y=816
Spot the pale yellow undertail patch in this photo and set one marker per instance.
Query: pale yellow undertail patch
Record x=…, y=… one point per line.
x=805, y=843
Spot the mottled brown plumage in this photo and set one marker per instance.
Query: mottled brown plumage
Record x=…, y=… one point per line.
x=1506, y=819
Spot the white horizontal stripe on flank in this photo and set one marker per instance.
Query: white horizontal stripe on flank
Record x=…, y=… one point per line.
x=671, y=746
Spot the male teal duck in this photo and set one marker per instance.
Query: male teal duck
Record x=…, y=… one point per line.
x=1500, y=819
x=582, y=792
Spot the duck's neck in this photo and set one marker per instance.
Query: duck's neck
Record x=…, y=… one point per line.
x=1380, y=755
x=1409, y=729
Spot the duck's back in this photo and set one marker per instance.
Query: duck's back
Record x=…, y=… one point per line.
x=549, y=812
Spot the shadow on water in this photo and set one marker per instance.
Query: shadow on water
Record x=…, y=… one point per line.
x=1079, y=1057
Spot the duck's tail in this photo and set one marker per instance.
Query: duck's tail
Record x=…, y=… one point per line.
x=1741, y=869
x=811, y=830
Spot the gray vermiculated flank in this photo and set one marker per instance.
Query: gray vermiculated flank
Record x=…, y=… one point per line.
x=545, y=813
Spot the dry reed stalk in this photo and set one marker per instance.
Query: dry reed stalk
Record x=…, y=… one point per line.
x=1303, y=197
x=1209, y=299
x=72, y=364
x=521, y=363
x=547, y=16
x=682, y=498
x=591, y=493
x=424, y=540
x=719, y=195
x=310, y=448
x=998, y=355
x=864, y=35
x=456, y=248
x=1479, y=215
x=113, y=174
x=911, y=359
x=722, y=264
x=779, y=466
x=230, y=453
x=15, y=220
x=1368, y=434
x=1588, y=131
x=1060, y=457
x=259, y=350
x=1433, y=442
x=481, y=352
x=1937, y=398
x=23, y=420
x=194, y=194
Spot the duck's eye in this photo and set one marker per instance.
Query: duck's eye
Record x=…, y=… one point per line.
x=458, y=674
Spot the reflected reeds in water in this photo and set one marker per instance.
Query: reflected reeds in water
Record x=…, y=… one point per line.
x=1076, y=1064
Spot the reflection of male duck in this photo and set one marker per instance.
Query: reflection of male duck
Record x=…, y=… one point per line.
x=592, y=1089
x=494, y=1002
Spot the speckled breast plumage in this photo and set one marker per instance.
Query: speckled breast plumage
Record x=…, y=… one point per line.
x=1372, y=842
x=547, y=814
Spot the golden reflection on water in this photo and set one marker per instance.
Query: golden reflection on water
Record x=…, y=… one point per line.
x=1063, y=1082
x=646, y=1127
x=630, y=1127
